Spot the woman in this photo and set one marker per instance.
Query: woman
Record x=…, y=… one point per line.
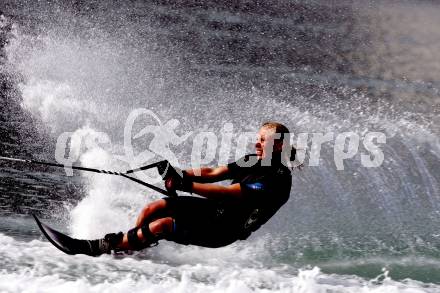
x=260, y=186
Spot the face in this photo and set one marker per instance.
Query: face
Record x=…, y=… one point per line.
x=265, y=143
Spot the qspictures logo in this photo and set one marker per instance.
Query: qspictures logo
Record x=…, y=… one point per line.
x=207, y=146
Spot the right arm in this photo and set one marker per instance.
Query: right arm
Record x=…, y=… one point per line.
x=208, y=175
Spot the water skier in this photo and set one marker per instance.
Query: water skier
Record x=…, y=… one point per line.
x=223, y=214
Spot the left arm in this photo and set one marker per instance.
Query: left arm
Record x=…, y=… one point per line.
x=208, y=190
x=215, y=191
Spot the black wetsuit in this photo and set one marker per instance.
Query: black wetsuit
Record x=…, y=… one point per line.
x=214, y=223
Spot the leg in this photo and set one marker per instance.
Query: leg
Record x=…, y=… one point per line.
x=152, y=221
x=151, y=211
x=157, y=229
x=135, y=239
x=201, y=228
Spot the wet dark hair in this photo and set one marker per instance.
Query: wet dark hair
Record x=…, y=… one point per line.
x=279, y=128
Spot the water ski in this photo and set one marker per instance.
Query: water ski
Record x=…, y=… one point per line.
x=63, y=242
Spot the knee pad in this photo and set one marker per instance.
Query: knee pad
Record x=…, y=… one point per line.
x=136, y=243
x=133, y=239
x=150, y=238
